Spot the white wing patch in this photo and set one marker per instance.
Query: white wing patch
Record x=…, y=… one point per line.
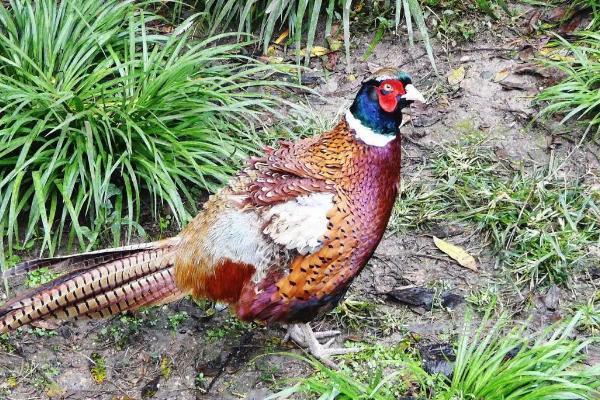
x=300, y=223
x=239, y=238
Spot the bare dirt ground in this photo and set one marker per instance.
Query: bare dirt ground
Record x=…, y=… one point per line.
x=163, y=355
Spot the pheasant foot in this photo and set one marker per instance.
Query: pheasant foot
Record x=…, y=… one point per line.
x=305, y=337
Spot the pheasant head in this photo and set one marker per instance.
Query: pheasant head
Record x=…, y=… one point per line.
x=376, y=113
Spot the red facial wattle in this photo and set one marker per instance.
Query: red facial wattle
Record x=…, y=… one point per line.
x=388, y=92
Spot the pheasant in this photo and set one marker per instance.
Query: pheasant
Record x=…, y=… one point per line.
x=281, y=243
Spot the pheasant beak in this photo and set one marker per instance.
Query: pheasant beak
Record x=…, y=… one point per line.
x=412, y=94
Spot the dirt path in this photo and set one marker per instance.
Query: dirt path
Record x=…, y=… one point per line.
x=164, y=355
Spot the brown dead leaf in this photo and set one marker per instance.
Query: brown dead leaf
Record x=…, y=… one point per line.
x=532, y=20
x=555, y=54
x=501, y=75
x=456, y=76
x=335, y=43
x=332, y=60
x=556, y=15
x=271, y=51
x=457, y=253
x=507, y=85
x=318, y=51
x=532, y=69
x=572, y=24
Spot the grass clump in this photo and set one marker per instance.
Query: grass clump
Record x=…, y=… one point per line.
x=577, y=96
x=301, y=18
x=504, y=363
x=378, y=373
x=539, y=225
x=512, y=364
x=100, y=110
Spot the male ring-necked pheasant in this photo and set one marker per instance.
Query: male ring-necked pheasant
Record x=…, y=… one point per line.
x=281, y=243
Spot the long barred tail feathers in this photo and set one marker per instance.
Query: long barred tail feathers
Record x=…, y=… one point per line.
x=96, y=285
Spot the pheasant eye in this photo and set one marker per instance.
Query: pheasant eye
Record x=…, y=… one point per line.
x=387, y=87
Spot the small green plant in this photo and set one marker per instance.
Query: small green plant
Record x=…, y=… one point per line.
x=166, y=367
x=44, y=380
x=39, y=277
x=200, y=381
x=228, y=328
x=44, y=333
x=484, y=299
x=176, y=319
x=124, y=330
x=378, y=372
x=590, y=316
x=164, y=223
x=98, y=368
x=6, y=343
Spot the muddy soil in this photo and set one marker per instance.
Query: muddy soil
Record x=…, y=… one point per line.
x=156, y=357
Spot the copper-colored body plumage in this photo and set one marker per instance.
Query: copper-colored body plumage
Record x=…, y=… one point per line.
x=242, y=248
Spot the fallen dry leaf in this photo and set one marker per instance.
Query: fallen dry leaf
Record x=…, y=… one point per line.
x=316, y=51
x=556, y=55
x=335, y=44
x=507, y=85
x=282, y=37
x=501, y=75
x=457, y=253
x=456, y=76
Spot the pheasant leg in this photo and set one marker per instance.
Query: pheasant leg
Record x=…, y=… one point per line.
x=305, y=337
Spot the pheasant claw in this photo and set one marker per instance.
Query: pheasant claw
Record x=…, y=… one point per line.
x=305, y=337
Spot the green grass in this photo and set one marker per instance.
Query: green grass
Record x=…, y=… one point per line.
x=301, y=18
x=99, y=111
x=505, y=363
x=454, y=21
x=577, y=96
x=540, y=226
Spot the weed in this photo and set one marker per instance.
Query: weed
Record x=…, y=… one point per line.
x=40, y=276
x=44, y=379
x=378, y=373
x=455, y=21
x=268, y=372
x=166, y=367
x=164, y=223
x=44, y=333
x=200, y=381
x=98, y=368
x=123, y=330
x=6, y=344
x=176, y=319
x=484, y=299
x=228, y=328
x=361, y=315
x=590, y=316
